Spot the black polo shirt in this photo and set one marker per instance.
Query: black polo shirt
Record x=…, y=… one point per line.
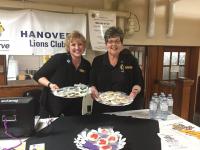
x=61, y=71
x=121, y=77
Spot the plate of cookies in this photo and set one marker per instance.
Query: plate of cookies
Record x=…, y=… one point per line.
x=78, y=90
x=112, y=98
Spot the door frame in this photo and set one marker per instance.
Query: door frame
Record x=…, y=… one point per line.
x=154, y=72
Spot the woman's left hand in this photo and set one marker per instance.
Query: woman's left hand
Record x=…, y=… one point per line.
x=94, y=92
x=135, y=90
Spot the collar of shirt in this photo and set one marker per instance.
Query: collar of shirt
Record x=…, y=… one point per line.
x=106, y=61
x=69, y=61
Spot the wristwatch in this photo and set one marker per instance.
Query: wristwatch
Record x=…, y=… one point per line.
x=49, y=85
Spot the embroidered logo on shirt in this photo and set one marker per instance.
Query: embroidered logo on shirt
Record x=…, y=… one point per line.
x=81, y=70
x=68, y=61
x=122, y=67
x=128, y=67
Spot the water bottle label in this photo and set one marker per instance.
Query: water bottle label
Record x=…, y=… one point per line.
x=164, y=107
x=153, y=106
x=156, y=100
x=170, y=103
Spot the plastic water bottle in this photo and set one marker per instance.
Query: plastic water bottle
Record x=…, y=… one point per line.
x=153, y=106
x=152, y=109
x=162, y=95
x=159, y=100
x=13, y=69
x=155, y=96
x=170, y=102
x=163, y=109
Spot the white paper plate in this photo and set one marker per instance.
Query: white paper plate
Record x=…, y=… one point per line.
x=78, y=90
x=97, y=139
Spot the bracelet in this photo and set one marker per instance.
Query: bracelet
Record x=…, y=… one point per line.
x=49, y=85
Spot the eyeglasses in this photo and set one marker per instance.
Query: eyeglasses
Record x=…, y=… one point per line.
x=114, y=42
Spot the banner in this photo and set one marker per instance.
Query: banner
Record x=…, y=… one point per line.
x=99, y=22
x=33, y=32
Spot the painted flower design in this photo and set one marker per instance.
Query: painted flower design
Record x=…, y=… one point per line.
x=100, y=139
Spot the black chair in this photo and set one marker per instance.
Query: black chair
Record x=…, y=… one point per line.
x=35, y=93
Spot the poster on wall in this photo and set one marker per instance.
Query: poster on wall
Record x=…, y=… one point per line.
x=33, y=32
x=99, y=22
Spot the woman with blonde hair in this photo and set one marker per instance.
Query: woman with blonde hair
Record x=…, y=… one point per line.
x=62, y=70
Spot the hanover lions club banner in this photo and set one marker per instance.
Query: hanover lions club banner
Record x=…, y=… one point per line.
x=32, y=32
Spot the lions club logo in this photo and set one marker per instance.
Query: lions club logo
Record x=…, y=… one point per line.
x=1, y=29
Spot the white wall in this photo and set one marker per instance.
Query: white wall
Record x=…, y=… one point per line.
x=186, y=17
x=186, y=23
x=28, y=62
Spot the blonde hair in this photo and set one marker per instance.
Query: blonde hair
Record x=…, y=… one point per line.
x=74, y=35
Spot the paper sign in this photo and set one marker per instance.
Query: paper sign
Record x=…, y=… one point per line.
x=37, y=147
x=99, y=22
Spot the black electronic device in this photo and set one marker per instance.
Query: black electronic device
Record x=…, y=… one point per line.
x=16, y=117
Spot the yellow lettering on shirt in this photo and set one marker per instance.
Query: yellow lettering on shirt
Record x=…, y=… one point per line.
x=81, y=70
x=122, y=68
x=128, y=67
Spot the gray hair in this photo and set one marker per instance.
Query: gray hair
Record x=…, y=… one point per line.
x=113, y=32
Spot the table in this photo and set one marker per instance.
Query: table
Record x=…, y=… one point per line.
x=139, y=133
x=170, y=138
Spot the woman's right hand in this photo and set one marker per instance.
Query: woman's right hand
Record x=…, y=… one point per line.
x=45, y=82
x=53, y=86
x=94, y=92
